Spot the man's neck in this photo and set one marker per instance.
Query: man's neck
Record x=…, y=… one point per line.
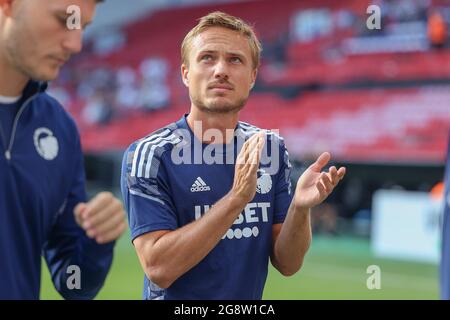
x=200, y=122
x=12, y=81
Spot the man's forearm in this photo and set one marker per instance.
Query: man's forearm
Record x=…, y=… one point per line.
x=293, y=241
x=178, y=251
x=166, y=255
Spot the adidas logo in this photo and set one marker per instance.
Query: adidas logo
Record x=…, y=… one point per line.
x=199, y=185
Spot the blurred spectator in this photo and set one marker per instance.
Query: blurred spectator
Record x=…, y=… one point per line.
x=154, y=69
x=127, y=95
x=97, y=110
x=308, y=25
x=437, y=30
x=275, y=51
x=437, y=192
x=154, y=96
x=62, y=96
x=154, y=91
x=324, y=219
x=352, y=196
x=105, y=93
x=109, y=40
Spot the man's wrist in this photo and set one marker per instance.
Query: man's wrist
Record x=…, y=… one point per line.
x=236, y=201
x=300, y=210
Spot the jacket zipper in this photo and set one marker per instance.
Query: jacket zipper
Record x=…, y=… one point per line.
x=16, y=120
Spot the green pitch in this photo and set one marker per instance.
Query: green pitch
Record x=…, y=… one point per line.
x=334, y=268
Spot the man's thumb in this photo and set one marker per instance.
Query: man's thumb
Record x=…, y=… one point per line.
x=321, y=161
x=78, y=211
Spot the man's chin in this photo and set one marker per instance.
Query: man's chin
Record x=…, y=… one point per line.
x=224, y=106
x=46, y=75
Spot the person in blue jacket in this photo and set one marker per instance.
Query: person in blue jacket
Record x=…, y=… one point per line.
x=43, y=206
x=445, y=258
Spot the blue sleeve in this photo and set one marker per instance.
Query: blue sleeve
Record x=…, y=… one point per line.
x=147, y=195
x=445, y=250
x=68, y=245
x=283, y=192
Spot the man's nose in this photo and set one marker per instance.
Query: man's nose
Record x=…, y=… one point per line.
x=221, y=70
x=73, y=43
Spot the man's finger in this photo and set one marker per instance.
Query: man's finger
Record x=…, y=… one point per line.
x=241, y=156
x=244, y=154
x=102, y=215
x=333, y=175
x=257, y=149
x=261, y=144
x=250, y=140
x=321, y=188
x=253, y=141
x=326, y=182
x=321, y=162
x=249, y=159
x=341, y=173
x=97, y=203
x=78, y=212
x=110, y=223
x=253, y=161
x=255, y=158
x=246, y=150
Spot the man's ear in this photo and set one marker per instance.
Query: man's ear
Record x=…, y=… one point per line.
x=6, y=7
x=254, y=74
x=185, y=75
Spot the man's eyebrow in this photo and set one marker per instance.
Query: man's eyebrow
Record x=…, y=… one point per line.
x=207, y=51
x=230, y=53
x=236, y=53
x=63, y=13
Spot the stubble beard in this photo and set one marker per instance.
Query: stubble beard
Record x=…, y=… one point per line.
x=219, y=107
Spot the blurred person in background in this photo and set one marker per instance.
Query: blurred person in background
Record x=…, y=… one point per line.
x=43, y=206
x=99, y=109
x=324, y=219
x=437, y=30
x=207, y=231
x=154, y=90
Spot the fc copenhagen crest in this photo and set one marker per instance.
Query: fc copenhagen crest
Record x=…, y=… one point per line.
x=46, y=143
x=264, y=182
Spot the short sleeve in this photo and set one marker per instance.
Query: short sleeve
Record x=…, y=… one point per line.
x=146, y=192
x=283, y=186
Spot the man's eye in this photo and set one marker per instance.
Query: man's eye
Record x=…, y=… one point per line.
x=62, y=20
x=235, y=60
x=207, y=57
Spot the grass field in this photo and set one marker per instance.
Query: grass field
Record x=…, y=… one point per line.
x=335, y=268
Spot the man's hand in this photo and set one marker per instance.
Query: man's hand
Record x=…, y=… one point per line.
x=247, y=164
x=314, y=186
x=103, y=218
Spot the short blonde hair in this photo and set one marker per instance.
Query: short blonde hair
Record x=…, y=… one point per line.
x=221, y=19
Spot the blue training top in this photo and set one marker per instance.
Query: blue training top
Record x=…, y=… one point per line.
x=170, y=179
x=41, y=181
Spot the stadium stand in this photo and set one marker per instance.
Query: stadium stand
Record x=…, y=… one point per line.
x=356, y=93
